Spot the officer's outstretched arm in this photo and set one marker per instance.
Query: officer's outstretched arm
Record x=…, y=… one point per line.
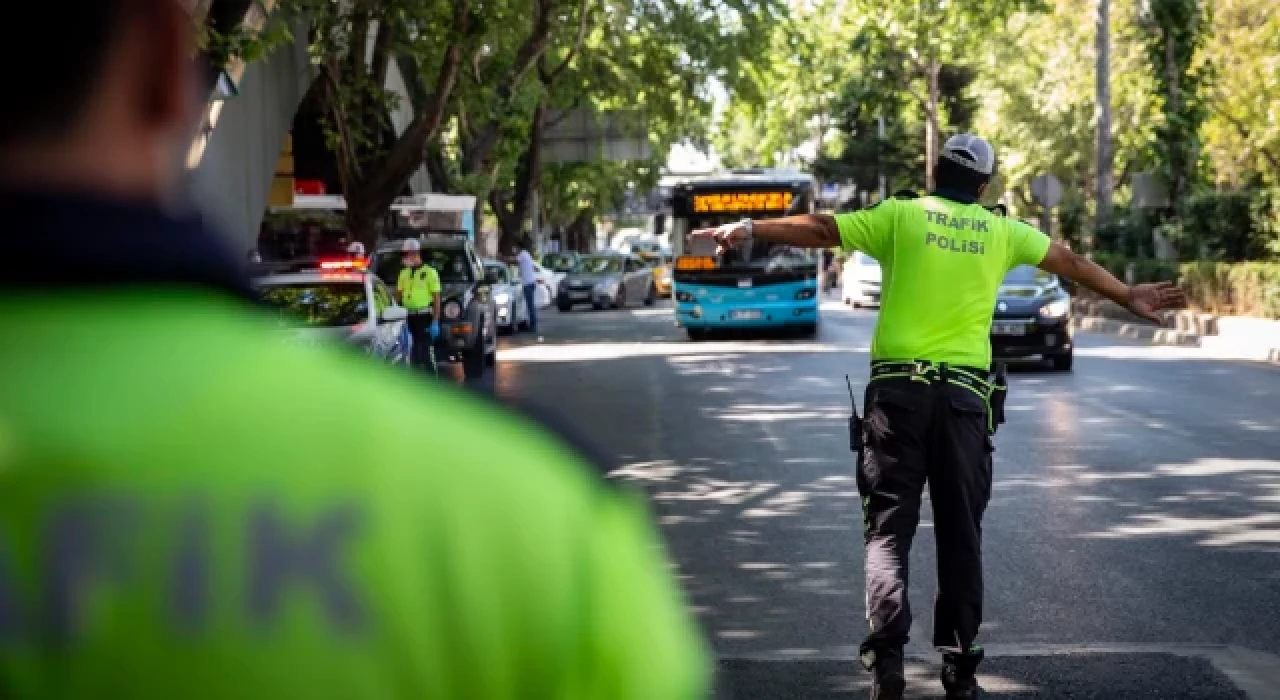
x=1142, y=299
x=804, y=231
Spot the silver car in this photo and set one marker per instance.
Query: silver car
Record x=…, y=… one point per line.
x=354, y=307
x=508, y=297
x=607, y=280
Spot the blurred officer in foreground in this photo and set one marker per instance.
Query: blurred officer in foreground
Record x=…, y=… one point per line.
x=929, y=403
x=190, y=508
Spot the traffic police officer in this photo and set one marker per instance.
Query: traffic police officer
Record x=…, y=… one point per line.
x=928, y=414
x=191, y=508
x=418, y=289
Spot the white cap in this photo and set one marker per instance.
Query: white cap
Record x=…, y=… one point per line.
x=973, y=152
x=410, y=245
x=356, y=248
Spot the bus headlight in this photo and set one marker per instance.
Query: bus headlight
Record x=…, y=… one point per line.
x=806, y=293
x=451, y=310
x=1055, y=309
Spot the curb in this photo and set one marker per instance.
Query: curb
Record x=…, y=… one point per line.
x=1138, y=331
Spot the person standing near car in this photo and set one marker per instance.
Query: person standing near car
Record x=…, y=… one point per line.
x=529, y=282
x=418, y=290
x=192, y=508
x=929, y=416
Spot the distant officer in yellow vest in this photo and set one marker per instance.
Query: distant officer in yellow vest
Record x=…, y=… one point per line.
x=418, y=289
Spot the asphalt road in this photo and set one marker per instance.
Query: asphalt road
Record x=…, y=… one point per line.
x=1132, y=543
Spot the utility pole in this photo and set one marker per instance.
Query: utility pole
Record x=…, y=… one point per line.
x=1106, y=157
x=884, y=187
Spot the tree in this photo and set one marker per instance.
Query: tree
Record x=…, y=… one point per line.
x=651, y=58
x=926, y=35
x=353, y=45
x=1241, y=134
x=1176, y=31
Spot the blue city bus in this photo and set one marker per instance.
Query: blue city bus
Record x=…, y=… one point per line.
x=757, y=285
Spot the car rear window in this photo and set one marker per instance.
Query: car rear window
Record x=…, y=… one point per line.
x=317, y=304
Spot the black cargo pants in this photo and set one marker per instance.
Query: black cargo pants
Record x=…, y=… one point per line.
x=920, y=430
x=422, y=353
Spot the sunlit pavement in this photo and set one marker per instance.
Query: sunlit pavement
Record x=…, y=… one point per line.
x=1132, y=542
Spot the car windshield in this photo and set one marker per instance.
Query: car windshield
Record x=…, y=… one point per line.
x=450, y=263
x=498, y=272
x=1026, y=274
x=600, y=265
x=770, y=257
x=317, y=304
x=558, y=262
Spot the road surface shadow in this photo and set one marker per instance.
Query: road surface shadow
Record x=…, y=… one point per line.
x=1076, y=676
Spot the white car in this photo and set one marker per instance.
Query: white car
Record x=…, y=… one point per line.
x=861, y=281
x=339, y=306
x=508, y=297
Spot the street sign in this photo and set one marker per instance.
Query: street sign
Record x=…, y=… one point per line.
x=1047, y=191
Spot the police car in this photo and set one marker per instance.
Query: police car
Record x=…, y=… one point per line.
x=324, y=301
x=468, y=327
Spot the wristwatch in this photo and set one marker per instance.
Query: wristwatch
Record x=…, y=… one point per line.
x=746, y=226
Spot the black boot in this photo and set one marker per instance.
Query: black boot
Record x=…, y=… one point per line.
x=958, y=675
x=888, y=679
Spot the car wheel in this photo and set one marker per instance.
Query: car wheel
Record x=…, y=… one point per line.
x=808, y=330
x=1063, y=363
x=649, y=298
x=620, y=301
x=597, y=305
x=697, y=334
x=563, y=306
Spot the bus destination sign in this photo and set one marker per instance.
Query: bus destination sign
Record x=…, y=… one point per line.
x=741, y=202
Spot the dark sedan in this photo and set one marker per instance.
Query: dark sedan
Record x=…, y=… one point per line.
x=1033, y=318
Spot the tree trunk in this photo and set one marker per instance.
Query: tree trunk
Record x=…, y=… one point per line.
x=1177, y=160
x=1106, y=157
x=931, y=127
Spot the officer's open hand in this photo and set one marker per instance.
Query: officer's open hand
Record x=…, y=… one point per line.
x=726, y=237
x=1147, y=300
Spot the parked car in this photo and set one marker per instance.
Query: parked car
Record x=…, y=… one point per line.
x=345, y=305
x=607, y=280
x=508, y=298
x=860, y=281
x=469, y=328
x=1033, y=318
x=560, y=263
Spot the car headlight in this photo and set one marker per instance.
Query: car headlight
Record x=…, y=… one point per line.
x=684, y=296
x=806, y=293
x=451, y=310
x=502, y=298
x=1056, y=308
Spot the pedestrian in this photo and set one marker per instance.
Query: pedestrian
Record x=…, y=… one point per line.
x=418, y=290
x=828, y=269
x=929, y=417
x=192, y=508
x=529, y=282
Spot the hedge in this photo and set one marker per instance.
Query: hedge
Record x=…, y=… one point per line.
x=1242, y=289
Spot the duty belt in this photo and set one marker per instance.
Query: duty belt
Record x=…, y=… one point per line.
x=974, y=379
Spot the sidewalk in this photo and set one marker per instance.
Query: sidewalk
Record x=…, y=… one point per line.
x=1220, y=337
